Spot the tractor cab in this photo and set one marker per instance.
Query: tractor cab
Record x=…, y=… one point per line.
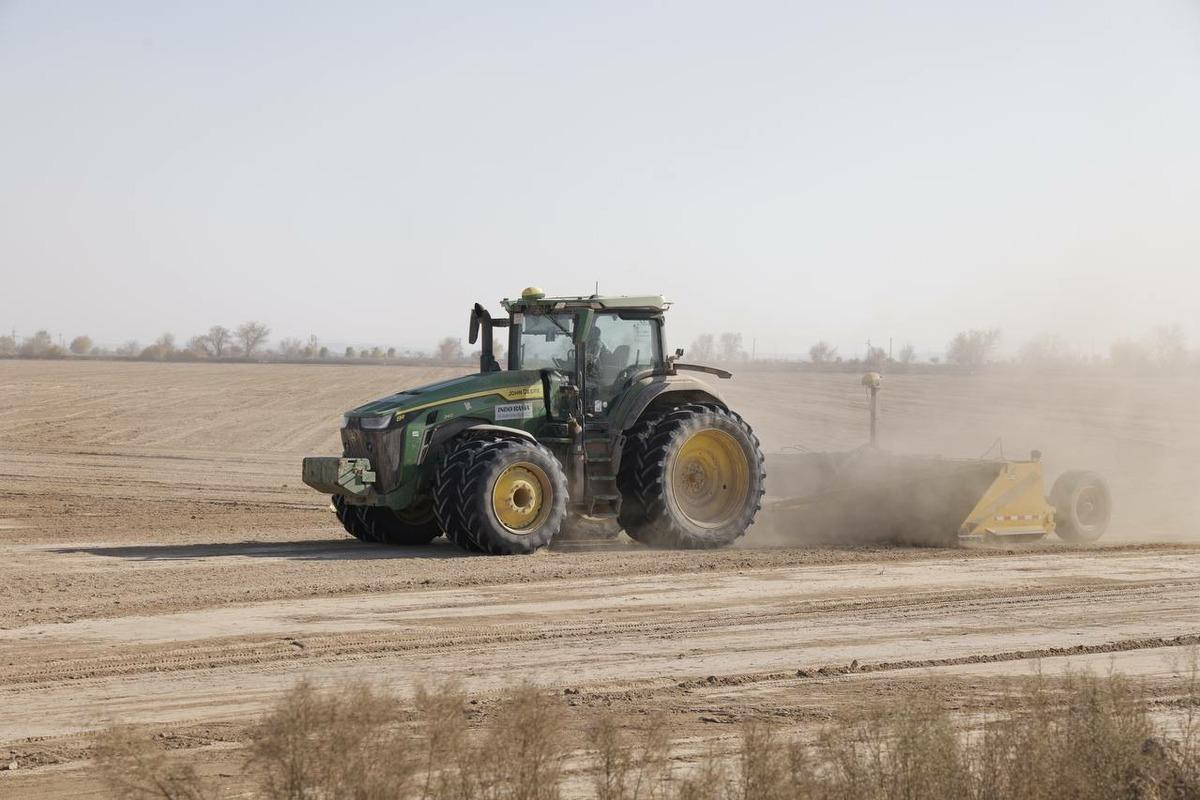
x=599, y=345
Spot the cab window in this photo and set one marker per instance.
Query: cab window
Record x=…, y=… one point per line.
x=546, y=341
x=617, y=349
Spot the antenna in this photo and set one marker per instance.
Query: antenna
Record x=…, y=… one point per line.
x=597, y=292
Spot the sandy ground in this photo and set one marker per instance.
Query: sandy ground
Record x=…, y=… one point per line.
x=161, y=564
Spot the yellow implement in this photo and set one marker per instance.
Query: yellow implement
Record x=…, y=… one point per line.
x=1014, y=505
x=871, y=495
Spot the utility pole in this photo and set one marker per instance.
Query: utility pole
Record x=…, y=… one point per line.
x=753, y=348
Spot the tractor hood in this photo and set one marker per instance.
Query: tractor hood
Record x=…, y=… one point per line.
x=502, y=385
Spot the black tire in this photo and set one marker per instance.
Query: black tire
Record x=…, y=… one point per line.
x=655, y=512
x=465, y=495
x=381, y=525
x=1082, y=506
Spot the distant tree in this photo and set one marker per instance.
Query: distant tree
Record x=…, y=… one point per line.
x=252, y=334
x=450, y=349
x=1169, y=345
x=972, y=349
x=391, y=352
x=8, y=346
x=1130, y=356
x=81, y=345
x=907, y=355
x=199, y=346
x=498, y=350
x=290, y=348
x=40, y=344
x=165, y=343
x=233, y=351
x=313, y=347
x=218, y=341
x=935, y=359
x=731, y=347
x=324, y=352
x=130, y=349
x=1046, y=350
x=349, y=352
x=822, y=352
x=154, y=352
x=377, y=352
x=876, y=357
x=703, y=347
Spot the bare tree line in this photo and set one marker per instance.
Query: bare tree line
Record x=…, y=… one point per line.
x=248, y=341
x=1165, y=347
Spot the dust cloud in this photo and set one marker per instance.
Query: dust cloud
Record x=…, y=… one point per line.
x=1140, y=433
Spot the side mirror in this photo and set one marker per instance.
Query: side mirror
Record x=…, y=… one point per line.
x=678, y=355
x=473, y=327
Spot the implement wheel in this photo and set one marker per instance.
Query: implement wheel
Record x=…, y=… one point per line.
x=500, y=496
x=382, y=525
x=1082, y=506
x=691, y=478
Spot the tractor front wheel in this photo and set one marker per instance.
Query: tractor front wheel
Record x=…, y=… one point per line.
x=382, y=525
x=691, y=478
x=500, y=496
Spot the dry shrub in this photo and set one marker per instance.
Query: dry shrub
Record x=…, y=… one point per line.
x=1081, y=737
x=136, y=768
x=889, y=752
x=1089, y=737
x=347, y=742
x=628, y=768
x=518, y=756
x=710, y=780
x=444, y=746
x=771, y=766
x=521, y=754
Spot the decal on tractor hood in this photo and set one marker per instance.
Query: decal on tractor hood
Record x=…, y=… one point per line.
x=522, y=392
x=514, y=411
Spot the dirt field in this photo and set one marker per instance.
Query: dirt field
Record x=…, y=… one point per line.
x=162, y=564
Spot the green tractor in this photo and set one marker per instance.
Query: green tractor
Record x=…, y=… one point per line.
x=591, y=420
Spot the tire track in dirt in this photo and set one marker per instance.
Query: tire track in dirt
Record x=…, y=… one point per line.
x=42, y=668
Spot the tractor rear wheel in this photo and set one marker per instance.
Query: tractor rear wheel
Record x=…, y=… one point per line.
x=1082, y=506
x=691, y=478
x=500, y=496
x=383, y=525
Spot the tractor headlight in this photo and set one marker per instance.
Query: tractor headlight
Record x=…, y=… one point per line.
x=375, y=423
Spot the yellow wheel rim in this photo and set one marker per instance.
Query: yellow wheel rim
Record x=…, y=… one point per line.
x=710, y=478
x=521, y=497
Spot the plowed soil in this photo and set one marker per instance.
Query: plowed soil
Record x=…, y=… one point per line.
x=161, y=564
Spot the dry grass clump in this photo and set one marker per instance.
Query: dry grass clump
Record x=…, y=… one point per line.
x=1082, y=737
x=135, y=768
x=629, y=767
x=361, y=743
x=343, y=743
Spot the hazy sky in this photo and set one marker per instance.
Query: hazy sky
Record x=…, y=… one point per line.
x=792, y=170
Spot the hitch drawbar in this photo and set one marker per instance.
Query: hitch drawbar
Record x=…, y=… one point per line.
x=350, y=477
